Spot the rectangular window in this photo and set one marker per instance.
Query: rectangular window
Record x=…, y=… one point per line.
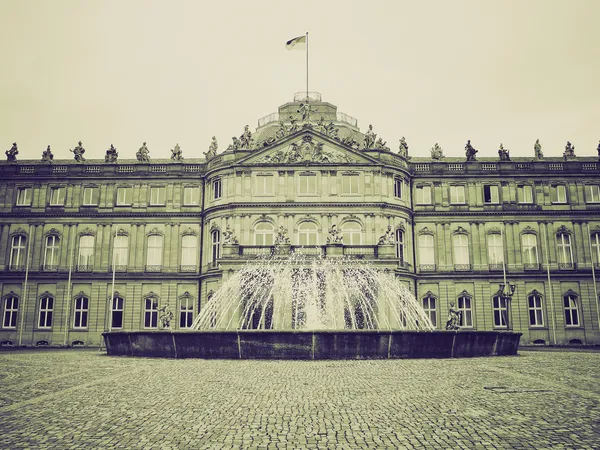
x=57, y=196
x=349, y=184
x=398, y=187
x=124, y=196
x=461, y=251
x=490, y=194
x=191, y=195
x=530, y=254
x=90, y=196
x=45, y=313
x=430, y=309
x=559, y=193
x=308, y=184
x=116, y=313
x=151, y=313
x=11, y=309
x=188, y=251
x=264, y=185
x=51, y=253
x=24, y=196
x=525, y=194
x=426, y=252
x=157, y=196
x=536, y=314
x=186, y=312
x=155, y=247
x=500, y=312
x=571, y=311
x=565, y=254
x=85, y=259
x=423, y=195
x=80, y=319
x=17, y=252
x=495, y=250
x=592, y=193
x=466, y=312
x=121, y=249
x=216, y=188
x=457, y=195
x=596, y=249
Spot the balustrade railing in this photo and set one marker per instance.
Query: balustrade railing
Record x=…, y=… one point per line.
x=153, y=268
x=360, y=251
x=313, y=250
x=187, y=268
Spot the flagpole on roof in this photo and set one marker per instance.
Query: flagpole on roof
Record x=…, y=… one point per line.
x=307, y=67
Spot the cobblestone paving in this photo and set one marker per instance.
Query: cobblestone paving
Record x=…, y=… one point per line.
x=68, y=399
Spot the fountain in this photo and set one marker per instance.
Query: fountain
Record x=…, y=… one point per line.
x=302, y=307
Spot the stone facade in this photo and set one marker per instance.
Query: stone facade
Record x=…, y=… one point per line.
x=174, y=230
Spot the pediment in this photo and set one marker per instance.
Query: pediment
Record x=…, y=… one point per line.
x=305, y=148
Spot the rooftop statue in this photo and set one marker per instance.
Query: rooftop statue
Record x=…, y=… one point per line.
x=598, y=149
x=335, y=237
x=537, y=148
x=47, y=155
x=436, y=152
x=281, y=131
x=246, y=140
x=78, y=152
x=381, y=145
x=403, y=149
x=370, y=138
x=331, y=130
x=235, y=145
x=293, y=125
x=304, y=111
x=176, y=153
x=143, y=154
x=453, y=322
x=470, y=151
x=320, y=125
x=503, y=154
x=387, y=238
x=111, y=155
x=212, y=149
x=11, y=154
x=569, y=151
x=228, y=237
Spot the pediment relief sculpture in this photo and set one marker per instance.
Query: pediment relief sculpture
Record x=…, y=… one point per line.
x=305, y=151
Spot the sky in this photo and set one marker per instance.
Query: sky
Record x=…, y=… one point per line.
x=166, y=72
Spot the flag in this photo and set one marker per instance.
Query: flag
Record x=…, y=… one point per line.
x=298, y=43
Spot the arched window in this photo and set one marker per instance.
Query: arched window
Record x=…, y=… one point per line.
x=81, y=310
x=500, y=308
x=564, y=250
x=46, y=311
x=352, y=233
x=466, y=311
x=188, y=253
x=186, y=310
x=263, y=233
x=495, y=252
x=430, y=307
x=426, y=248
x=11, y=310
x=154, y=254
x=216, y=245
x=51, y=253
x=530, y=253
x=536, y=313
x=116, y=312
x=17, y=252
x=400, y=245
x=308, y=234
x=151, y=311
x=571, y=309
x=460, y=244
x=85, y=259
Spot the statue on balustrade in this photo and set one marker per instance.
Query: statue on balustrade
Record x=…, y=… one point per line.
x=387, y=238
x=111, y=155
x=212, y=149
x=503, y=153
x=370, y=138
x=246, y=140
x=176, y=153
x=78, y=152
x=304, y=111
x=335, y=237
x=143, y=154
x=470, y=151
x=228, y=237
x=569, y=151
x=537, y=148
x=47, y=155
x=436, y=152
x=281, y=237
x=403, y=149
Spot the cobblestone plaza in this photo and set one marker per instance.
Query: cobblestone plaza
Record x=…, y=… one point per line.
x=83, y=399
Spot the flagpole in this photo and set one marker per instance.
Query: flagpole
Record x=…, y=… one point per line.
x=307, y=67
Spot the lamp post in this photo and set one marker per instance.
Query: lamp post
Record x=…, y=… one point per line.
x=507, y=290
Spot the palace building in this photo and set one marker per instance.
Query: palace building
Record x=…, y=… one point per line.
x=88, y=246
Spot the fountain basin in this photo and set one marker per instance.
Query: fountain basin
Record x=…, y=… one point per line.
x=318, y=344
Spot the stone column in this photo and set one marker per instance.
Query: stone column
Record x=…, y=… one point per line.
x=581, y=254
x=4, y=238
x=474, y=243
x=37, y=246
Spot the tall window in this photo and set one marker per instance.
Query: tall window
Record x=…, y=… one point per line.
x=155, y=249
x=423, y=195
x=559, y=193
x=596, y=249
x=57, y=196
x=191, y=195
x=186, y=312
x=80, y=319
x=11, y=310
x=24, y=196
x=216, y=188
x=263, y=234
x=490, y=194
x=500, y=308
x=308, y=184
x=51, y=253
x=85, y=260
x=571, y=311
x=466, y=311
x=495, y=250
x=525, y=194
x=124, y=196
x=426, y=249
x=565, y=254
x=457, y=195
x=188, y=251
x=592, y=193
x=398, y=187
x=264, y=185
x=536, y=313
x=530, y=253
x=17, y=252
x=352, y=233
x=121, y=251
x=400, y=245
x=45, y=312
x=429, y=306
x=349, y=184
x=116, y=312
x=90, y=195
x=158, y=195
x=151, y=312
x=216, y=245
x=308, y=234
x=460, y=244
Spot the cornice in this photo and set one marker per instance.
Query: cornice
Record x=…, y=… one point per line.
x=299, y=205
